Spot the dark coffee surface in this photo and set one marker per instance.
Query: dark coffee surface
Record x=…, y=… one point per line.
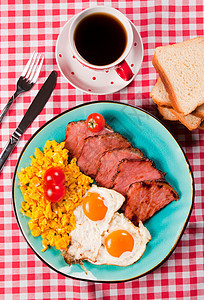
x=100, y=39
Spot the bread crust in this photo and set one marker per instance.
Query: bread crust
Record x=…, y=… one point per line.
x=179, y=107
x=155, y=94
x=199, y=112
x=167, y=84
x=167, y=113
x=201, y=127
x=190, y=121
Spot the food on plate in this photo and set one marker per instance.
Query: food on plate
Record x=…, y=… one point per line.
x=95, y=146
x=161, y=98
x=147, y=197
x=54, y=192
x=109, y=163
x=82, y=220
x=123, y=243
x=88, y=238
x=113, y=162
x=54, y=175
x=134, y=170
x=76, y=133
x=95, y=122
x=180, y=67
x=99, y=204
x=53, y=221
x=54, y=188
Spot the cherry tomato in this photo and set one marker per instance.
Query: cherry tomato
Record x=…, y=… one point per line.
x=54, y=175
x=54, y=193
x=95, y=122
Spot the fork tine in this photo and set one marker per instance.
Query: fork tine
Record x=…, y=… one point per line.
x=25, y=70
x=34, y=68
x=38, y=71
x=31, y=66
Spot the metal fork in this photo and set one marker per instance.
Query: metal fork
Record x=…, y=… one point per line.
x=27, y=79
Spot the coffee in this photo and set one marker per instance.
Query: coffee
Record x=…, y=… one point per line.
x=100, y=39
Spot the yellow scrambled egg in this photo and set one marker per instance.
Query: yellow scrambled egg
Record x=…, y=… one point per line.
x=53, y=221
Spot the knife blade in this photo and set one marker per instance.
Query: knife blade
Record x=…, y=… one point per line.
x=33, y=111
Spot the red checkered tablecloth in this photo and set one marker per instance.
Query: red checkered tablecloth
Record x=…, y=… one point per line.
x=26, y=26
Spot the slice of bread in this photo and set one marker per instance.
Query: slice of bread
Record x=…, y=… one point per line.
x=190, y=121
x=181, y=68
x=167, y=113
x=160, y=95
x=199, y=112
x=201, y=125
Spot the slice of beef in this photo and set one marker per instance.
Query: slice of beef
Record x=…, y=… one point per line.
x=95, y=146
x=133, y=170
x=109, y=163
x=145, y=198
x=76, y=132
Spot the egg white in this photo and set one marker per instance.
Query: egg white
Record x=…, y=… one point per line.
x=86, y=238
x=141, y=237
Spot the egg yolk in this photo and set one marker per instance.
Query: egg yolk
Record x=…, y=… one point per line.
x=118, y=242
x=94, y=207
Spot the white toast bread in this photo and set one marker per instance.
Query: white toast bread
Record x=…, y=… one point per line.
x=181, y=68
x=167, y=113
x=190, y=121
x=161, y=97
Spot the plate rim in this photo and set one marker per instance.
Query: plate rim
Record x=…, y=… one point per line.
x=184, y=225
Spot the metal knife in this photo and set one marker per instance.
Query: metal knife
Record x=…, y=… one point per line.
x=33, y=111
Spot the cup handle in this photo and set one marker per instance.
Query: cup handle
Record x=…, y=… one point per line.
x=124, y=71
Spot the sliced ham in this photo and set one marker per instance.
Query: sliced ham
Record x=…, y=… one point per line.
x=145, y=198
x=76, y=132
x=131, y=170
x=109, y=163
x=95, y=146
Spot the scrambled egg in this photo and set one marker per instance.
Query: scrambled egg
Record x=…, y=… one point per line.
x=53, y=221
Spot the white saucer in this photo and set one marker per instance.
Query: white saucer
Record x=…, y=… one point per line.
x=95, y=81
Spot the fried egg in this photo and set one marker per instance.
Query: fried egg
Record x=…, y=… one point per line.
x=92, y=220
x=122, y=243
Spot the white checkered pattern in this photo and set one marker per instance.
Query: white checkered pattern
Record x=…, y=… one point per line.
x=34, y=25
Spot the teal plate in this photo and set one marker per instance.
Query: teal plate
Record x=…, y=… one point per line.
x=166, y=227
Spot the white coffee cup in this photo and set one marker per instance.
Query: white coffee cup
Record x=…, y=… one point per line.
x=120, y=65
